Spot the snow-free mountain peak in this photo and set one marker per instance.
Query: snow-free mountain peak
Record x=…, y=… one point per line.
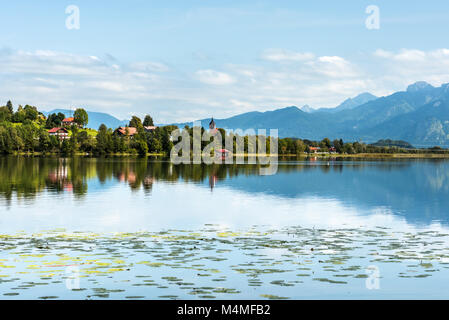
x=419, y=86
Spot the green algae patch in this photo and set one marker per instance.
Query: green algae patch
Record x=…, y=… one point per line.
x=212, y=262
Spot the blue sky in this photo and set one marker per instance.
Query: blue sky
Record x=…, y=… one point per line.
x=183, y=60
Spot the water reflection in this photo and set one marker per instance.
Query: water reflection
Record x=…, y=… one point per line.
x=248, y=236
x=416, y=190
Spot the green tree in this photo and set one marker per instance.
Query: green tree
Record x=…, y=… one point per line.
x=16, y=141
x=81, y=117
x=27, y=133
x=165, y=139
x=148, y=121
x=31, y=112
x=19, y=116
x=45, y=144
x=325, y=143
x=104, y=140
x=300, y=146
x=338, y=144
x=154, y=144
x=135, y=122
x=66, y=147
x=54, y=120
x=5, y=115
x=10, y=107
x=142, y=147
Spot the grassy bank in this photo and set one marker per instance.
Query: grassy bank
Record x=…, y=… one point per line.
x=83, y=154
x=384, y=155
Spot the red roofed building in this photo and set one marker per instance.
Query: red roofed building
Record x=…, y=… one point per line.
x=123, y=131
x=68, y=122
x=61, y=133
x=149, y=128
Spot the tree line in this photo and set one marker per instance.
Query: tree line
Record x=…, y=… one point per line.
x=25, y=130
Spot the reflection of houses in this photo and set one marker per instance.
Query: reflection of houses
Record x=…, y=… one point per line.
x=126, y=131
x=148, y=181
x=60, y=176
x=212, y=181
x=130, y=177
x=61, y=133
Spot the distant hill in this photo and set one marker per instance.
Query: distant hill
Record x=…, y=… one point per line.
x=307, y=108
x=291, y=122
x=419, y=115
x=95, y=118
x=350, y=103
x=393, y=143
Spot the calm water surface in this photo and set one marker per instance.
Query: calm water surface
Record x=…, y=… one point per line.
x=140, y=228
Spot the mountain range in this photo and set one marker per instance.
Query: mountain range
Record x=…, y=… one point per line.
x=419, y=115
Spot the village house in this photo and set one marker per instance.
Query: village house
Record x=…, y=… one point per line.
x=68, y=122
x=149, y=128
x=126, y=131
x=61, y=133
x=314, y=149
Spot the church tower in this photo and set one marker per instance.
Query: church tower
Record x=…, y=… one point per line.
x=212, y=124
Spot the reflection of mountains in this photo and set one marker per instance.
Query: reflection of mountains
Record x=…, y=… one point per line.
x=416, y=189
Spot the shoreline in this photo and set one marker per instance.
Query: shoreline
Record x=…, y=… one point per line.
x=372, y=156
x=386, y=156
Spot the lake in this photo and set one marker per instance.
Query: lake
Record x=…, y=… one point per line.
x=130, y=228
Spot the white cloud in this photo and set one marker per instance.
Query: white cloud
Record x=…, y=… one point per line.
x=214, y=77
x=334, y=67
x=286, y=55
x=409, y=65
x=383, y=53
x=51, y=79
x=150, y=66
x=403, y=55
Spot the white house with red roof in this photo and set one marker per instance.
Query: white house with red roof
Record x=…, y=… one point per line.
x=61, y=133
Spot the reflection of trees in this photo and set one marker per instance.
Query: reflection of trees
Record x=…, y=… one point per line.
x=25, y=176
